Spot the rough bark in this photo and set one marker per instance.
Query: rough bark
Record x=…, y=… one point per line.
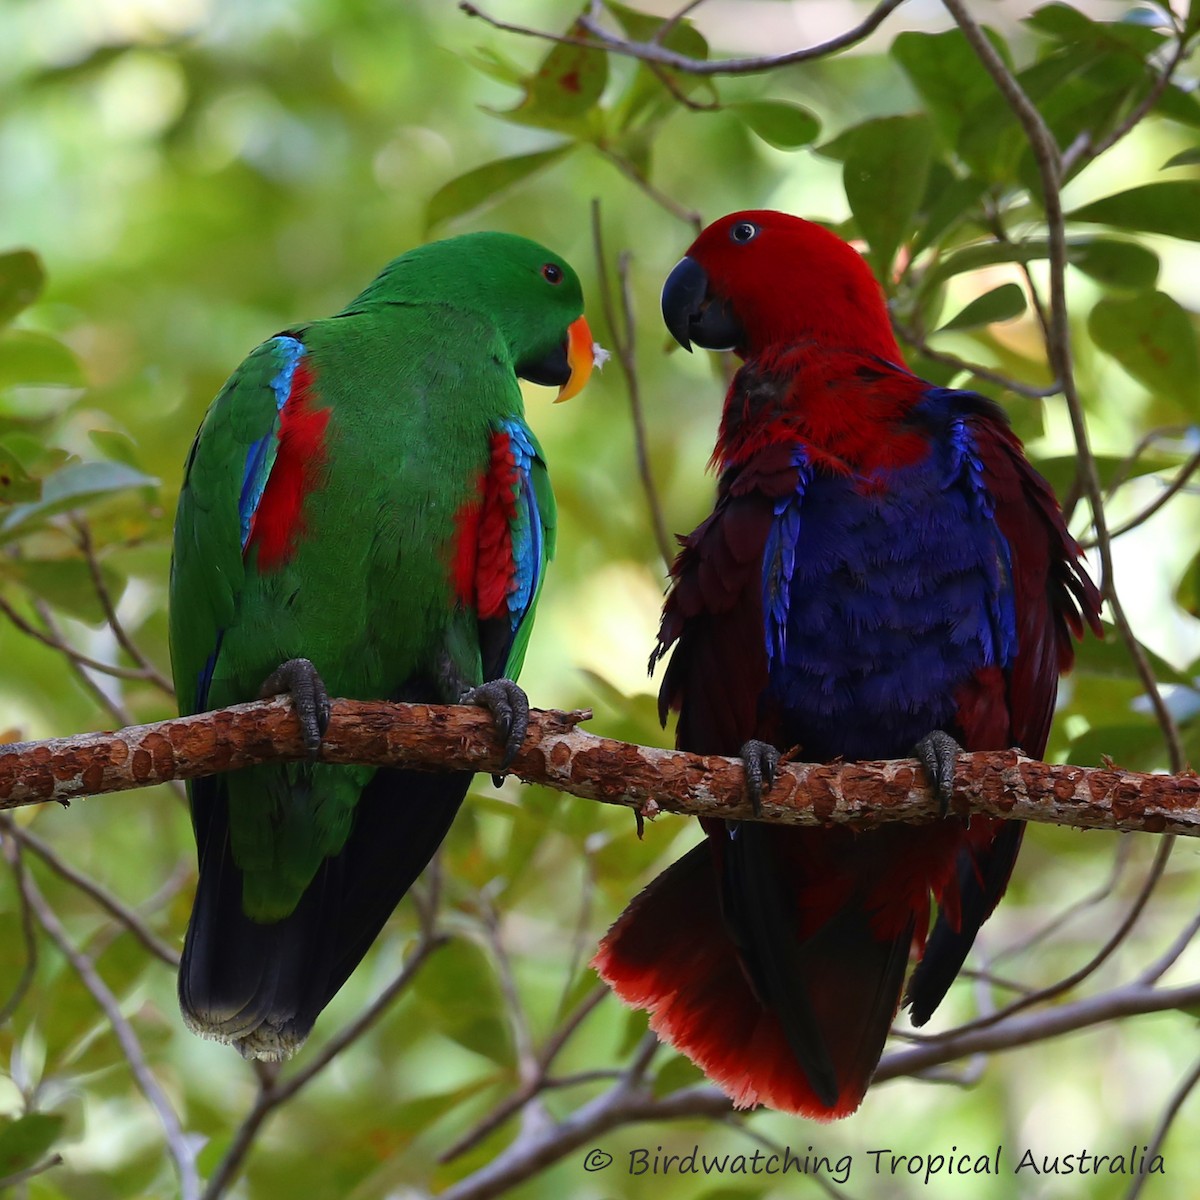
x=559, y=755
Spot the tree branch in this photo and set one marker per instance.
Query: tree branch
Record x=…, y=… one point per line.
x=655, y=54
x=1001, y=783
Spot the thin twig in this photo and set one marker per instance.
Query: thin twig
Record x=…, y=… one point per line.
x=1173, y=488
x=1158, y=968
x=1058, y=346
x=149, y=671
x=18, y=1177
x=16, y=862
x=649, y=52
x=1084, y=150
x=116, y=908
x=623, y=335
x=273, y=1092
x=681, y=212
x=1093, y=964
x=76, y=656
x=1029, y=390
x=1181, y=1093
x=178, y=1146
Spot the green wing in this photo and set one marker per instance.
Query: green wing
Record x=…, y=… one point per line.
x=226, y=472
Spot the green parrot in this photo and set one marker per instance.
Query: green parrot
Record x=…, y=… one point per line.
x=366, y=514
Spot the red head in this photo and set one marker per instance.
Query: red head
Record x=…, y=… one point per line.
x=758, y=279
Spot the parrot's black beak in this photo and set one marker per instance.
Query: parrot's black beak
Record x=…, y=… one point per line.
x=551, y=370
x=693, y=314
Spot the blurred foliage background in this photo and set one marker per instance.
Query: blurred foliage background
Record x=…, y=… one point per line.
x=180, y=180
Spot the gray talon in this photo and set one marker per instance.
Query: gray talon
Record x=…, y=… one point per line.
x=509, y=707
x=299, y=679
x=761, y=761
x=937, y=753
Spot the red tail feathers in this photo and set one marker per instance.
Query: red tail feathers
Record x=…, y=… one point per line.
x=671, y=953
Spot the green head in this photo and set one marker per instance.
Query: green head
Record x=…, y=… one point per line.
x=528, y=292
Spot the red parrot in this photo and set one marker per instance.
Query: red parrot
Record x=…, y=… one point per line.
x=883, y=574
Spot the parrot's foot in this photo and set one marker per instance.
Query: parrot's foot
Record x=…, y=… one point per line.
x=298, y=678
x=509, y=707
x=761, y=761
x=937, y=752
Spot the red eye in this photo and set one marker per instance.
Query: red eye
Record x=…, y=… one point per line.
x=552, y=273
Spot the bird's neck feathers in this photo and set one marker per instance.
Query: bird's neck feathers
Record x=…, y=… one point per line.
x=851, y=409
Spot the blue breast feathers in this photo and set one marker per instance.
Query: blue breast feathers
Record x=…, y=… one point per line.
x=882, y=597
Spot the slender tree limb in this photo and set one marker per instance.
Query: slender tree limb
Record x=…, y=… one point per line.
x=274, y=1091
x=557, y=754
x=1186, y=1085
x=116, y=908
x=179, y=1147
x=19, y=1177
x=650, y=52
x=623, y=333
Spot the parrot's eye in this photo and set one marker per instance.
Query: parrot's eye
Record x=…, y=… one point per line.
x=744, y=231
x=552, y=273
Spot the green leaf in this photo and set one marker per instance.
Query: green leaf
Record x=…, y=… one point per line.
x=1151, y=335
x=884, y=176
x=1002, y=303
x=947, y=73
x=1188, y=594
x=779, y=123
x=29, y=358
x=459, y=996
x=1171, y=208
x=120, y=447
x=21, y=282
x=468, y=192
x=16, y=485
x=66, y=583
x=1185, y=158
x=26, y=1141
x=1067, y=24
x=1060, y=470
x=74, y=486
x=566, y=85
x=1116, y=263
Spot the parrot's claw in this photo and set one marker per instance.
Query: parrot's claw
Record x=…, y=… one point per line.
x=509, y=707
x=299, y=679
x=761, y=761
x=937, y=752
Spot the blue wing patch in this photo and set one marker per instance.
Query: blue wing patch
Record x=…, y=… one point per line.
x=260, y=458
x=527, y=533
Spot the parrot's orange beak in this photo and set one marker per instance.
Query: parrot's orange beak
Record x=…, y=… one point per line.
x=581, y=357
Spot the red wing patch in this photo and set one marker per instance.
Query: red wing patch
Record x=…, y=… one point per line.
x=483, y=570
x=299, y=466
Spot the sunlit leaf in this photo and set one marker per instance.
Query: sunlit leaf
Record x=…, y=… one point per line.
x=1171, y=207
x=65, y=583
x=16, y=485
x=947, y=73
x=567, y=83
x=778, y=122
x=468, y=192
x=1188, y=595
x=29, y=358
x=1116, y=263
x=884, y=175
x=21, y=282
x=460, y=998
x=1185, y=158
x=1002, y=303
x=73, y=486
x=24, y=1142
x=1152, y=336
